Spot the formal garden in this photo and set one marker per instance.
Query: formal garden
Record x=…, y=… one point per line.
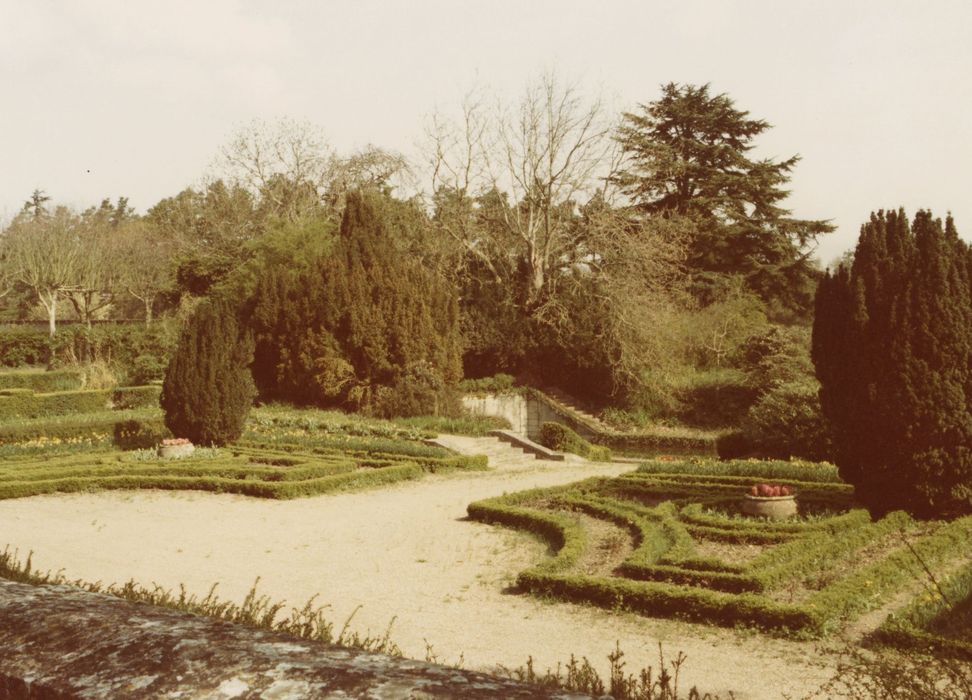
x=757, y=448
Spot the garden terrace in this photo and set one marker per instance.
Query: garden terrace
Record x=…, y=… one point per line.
x=692, y=554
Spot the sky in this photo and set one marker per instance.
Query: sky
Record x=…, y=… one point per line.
x=131, y=98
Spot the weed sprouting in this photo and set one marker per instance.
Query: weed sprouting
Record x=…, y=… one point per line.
x=580, y=676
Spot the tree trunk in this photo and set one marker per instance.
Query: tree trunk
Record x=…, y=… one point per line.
x=148, y=310
x=52, y=315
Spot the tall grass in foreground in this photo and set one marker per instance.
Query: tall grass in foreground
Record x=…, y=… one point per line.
x=580, y=677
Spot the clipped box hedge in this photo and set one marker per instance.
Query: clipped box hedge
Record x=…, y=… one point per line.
x=130, y=397
x=31, y=405
x=41, y=381
x=664, y=577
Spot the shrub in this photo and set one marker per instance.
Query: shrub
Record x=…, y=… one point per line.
x=208, y=389
x=716, y=399
x=366, y=328
x=20, y=346
x=129, y=397
x=787, y=422
x=145, y=369
x=30, y=405
x=497, y=384
x=563, y=439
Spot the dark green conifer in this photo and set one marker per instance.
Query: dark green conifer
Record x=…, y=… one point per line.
x=368, y=328
x=892, y=347
x=208, y=388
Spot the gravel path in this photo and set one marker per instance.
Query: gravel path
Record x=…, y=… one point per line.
x=404, y=553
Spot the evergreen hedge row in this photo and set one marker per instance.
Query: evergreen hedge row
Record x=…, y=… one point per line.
x=41, y=381
x=31, y=405
x=561, y=438
x=23, y=403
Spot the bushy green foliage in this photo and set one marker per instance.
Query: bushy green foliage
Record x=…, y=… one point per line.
x=21, y=346
x=787, y=422
x=496, y=384
x=892, y=347
x=367, y=328
x=208, y=389
x=559, y=437
x=715, y=398
x=145, y=369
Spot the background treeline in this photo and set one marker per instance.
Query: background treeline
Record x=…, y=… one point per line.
x=642, y=262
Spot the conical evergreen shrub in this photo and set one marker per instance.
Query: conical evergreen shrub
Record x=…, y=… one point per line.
x=208, y=389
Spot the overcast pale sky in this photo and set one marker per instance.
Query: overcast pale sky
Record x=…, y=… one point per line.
x=109, y=98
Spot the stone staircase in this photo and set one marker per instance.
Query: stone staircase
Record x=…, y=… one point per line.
x=500, y=454
x=574, y=406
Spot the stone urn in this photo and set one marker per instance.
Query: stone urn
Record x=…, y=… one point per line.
x=773, y=502
x=175, y=448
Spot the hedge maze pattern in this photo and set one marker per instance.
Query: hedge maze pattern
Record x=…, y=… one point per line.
x=692, y=555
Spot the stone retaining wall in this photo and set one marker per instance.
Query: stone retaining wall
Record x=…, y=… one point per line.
x=61, y=643
x=524, y=412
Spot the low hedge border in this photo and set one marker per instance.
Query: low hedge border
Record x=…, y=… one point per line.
x=736, y=603
x=910, y=628
x=132, y=397
x=844, y=599
x=766, y=470
x=32, y=405
x=660, y=599
x=261, y=489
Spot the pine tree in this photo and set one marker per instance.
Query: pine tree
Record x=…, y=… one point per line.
x=208, y=388
x=892, y=347
x=687, y=155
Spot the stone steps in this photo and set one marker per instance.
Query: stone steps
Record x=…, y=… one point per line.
x=500, y=455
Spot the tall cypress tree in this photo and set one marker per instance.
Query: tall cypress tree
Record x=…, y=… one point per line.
x=208, y=388
x=892, y=347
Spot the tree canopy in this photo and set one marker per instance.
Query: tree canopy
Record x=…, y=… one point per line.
x=687, y=154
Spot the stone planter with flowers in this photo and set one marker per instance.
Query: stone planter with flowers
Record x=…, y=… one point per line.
x=175, y=448
x=770, y=501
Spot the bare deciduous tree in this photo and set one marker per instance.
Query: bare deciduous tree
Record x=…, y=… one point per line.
x=147, y=260
x=289, y=167
x=278, y=161
x=44, y=255
x=547, y=155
